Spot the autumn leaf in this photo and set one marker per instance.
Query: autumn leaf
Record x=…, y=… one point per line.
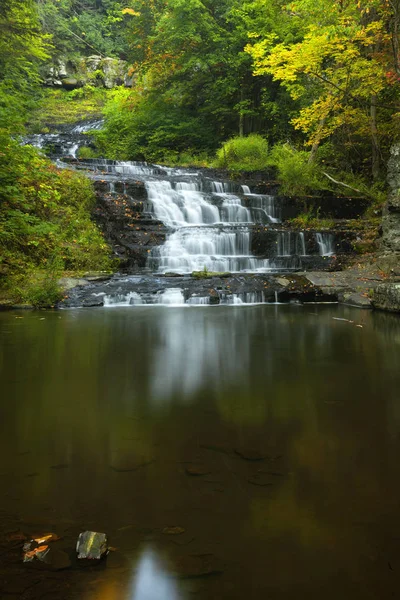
x=130, y=11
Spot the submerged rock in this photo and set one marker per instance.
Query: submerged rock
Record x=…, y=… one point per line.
x=91, y=545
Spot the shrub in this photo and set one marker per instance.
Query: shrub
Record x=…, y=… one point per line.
x=87, y=152
x=296, y=175
x=243, y=154
x=45, y=224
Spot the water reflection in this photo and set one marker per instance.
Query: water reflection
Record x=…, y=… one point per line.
x=152, y=580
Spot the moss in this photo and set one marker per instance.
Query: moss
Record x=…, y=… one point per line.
x=205, y=274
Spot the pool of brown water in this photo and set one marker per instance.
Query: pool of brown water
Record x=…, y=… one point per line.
x=228, y=452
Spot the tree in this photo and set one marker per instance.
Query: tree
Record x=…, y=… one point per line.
x=338, y=71
x=22, y=48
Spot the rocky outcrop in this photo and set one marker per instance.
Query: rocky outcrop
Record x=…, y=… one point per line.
x=94, y=70
x=386, y=296
x=391, y=213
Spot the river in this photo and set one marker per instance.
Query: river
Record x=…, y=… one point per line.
x=269, y=435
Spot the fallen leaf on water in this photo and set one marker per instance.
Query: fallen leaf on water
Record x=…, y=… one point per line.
x=47, y=537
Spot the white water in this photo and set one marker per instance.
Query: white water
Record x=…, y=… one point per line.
x=211, y=228
x=131, y=299
x=291, y=243
x=325, y=243
x=175, y=297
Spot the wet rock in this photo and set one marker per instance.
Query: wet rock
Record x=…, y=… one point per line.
x=91, y=545
x=197, y=565
x=68, y=283
x=42, y=555
x=386, y=296
x=358, y=300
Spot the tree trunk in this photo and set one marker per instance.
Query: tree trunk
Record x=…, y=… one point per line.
x=317, y=140
x=374, y=139
x=241, y=115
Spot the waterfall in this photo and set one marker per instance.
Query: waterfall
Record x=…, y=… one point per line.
x=211, y=228
x=246, y=189
x=325, y=243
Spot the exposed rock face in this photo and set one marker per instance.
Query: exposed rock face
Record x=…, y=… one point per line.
x=387, y=297
x=391, y=214
x=95, y=70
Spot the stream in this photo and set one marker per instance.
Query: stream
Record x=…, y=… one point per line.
x=268, y=435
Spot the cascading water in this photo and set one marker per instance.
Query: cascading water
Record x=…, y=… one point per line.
x=325, y=243
x=212, y=228
x=64, y=144
x=291, y=243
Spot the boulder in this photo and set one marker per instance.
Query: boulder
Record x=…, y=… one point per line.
x=386, y=296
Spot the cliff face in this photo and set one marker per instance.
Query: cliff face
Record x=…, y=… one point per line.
x=95, y=70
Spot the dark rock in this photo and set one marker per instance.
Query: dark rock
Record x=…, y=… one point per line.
x=356, y=299
x=69, y=83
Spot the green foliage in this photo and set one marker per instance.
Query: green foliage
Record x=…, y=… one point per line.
x=84, y=26
x=45, y=224
x=243, y=154
x=149, y=128
x=59, y=107
x=295, y=173
x=309, y=220
x=87, y=152
x=22, y=48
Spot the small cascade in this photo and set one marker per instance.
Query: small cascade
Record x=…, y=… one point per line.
x=221, y=187
x=232, y=210
x=64, y=144
x=131, y=299
x=265, y=209
x=171, y=296
x=198, y=301
x=214, y=249
x=245, y=189
x=180, y=206
x=175, y=297
x=244, y=298
x=325, y=243
x=291, y=244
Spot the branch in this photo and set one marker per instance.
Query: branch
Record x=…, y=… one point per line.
x=345, y=185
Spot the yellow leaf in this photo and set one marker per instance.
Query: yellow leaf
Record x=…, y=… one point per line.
x=130, y=11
